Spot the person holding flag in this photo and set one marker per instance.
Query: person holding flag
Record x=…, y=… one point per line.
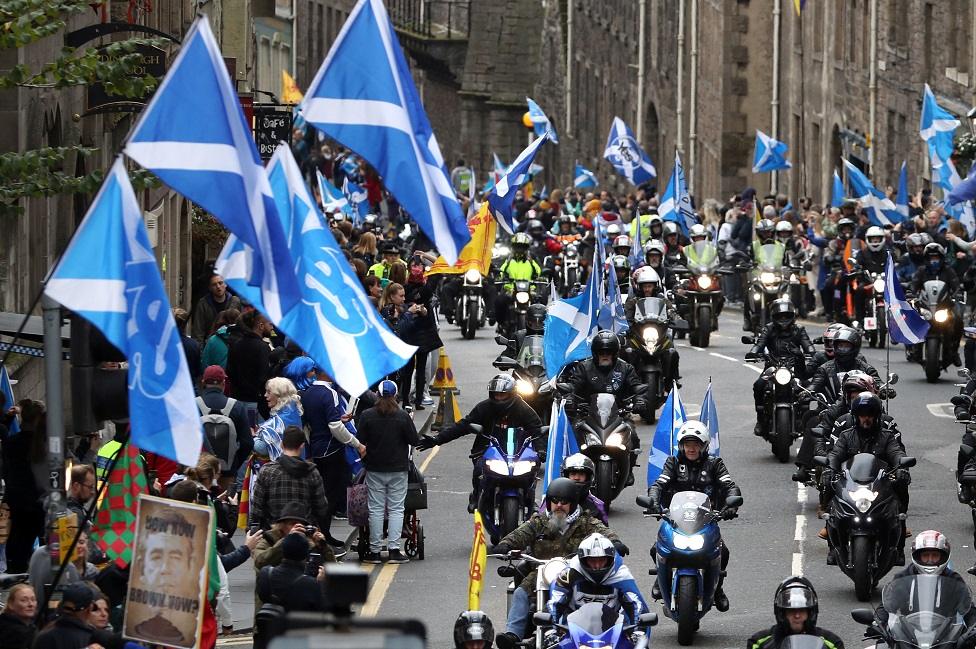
x=936, y=268
x=693, y=469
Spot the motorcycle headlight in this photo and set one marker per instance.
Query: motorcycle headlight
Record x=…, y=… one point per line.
x=756, y=296
x=650, y=336
x=616, y=439
x=879, y=285
x=862, y=504
x=767, y=277
x=941, y=315
x=497, y=466
x=863, y=497
x=704, y=282
x=524, y=388
x=472, y=276
x=783, y=376
x=522, y=297
x=522, y=467
x=552, y=569
x=692, y=542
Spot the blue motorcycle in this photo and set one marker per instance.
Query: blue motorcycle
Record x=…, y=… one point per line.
x=689, y=558
x=595, y=625
x=510, y=469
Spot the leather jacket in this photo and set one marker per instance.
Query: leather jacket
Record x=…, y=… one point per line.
x=621, y=380
x=707, y=475
x=826, y=379
x=882, y=444
x=792, y=342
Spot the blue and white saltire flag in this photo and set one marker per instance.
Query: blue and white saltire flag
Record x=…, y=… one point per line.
x=905, y=325
x=562, y=443
x=334, y=323
x=901, y=199
x=333, y=200
x=709, y=417
x=936, y=128
x=881, y=211
x=502, y=197
x=583, y=178
x=837, y=191
x=663, y=445
x=675, y=201
x=364, y=97
x=964, y=191
x=770, y=154
x=569, y=325
x=540, y=122
x=6, y=387
x=119, y=290
x=358, y=199
x=612, y=316
x=626, y=155
x=193, y=135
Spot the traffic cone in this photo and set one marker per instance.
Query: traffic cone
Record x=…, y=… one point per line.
x=448, y=412
x=444, y=376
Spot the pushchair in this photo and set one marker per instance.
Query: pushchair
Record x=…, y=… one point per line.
x=413, y=530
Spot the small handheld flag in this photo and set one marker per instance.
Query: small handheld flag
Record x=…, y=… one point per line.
x=770, y=154
x=663, y=445
x=709, y=417
x=837, y=191
x=881, y=211
x=540, y=122
x=583, y=178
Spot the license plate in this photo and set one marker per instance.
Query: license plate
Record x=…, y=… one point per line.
x=870, y=324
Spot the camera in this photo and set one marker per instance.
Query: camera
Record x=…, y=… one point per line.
x=310, y=531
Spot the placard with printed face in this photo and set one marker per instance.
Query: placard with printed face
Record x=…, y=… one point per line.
x=168, y=576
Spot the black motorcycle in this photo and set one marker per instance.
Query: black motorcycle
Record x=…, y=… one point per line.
x=470, y=309
x=785, y=410
x=529, y=370
x=567, y=272
x=936, y=305
x=650, y=349
x=606, y=436
x=863, y=520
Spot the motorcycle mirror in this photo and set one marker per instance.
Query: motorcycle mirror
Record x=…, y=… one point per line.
x=681, y=325
x=541, y=618
x=748, y=340
x=863, y=616
x=501, y=340
x=907, y=462
x=818, y=340
x=733, y=501
x=505, y=363
x=820, y=460
x=963, y=373
x=647, y=619
x=892, y=378
x=477, y=428
x=644, y=502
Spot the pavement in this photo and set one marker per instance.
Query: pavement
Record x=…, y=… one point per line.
x=774, y=536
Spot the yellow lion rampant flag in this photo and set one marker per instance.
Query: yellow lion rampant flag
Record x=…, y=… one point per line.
x=477, y=254
x=290, y=94
x=476, y=566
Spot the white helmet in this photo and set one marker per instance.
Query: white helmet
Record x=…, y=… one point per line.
x=694, y=429
x=926, y=541
x=613, y=230
x=875, y=238
x=654, y=245
x=646, y=275
x=596, y=545
x=784, y=227
x=697, y=230
x=622, y=241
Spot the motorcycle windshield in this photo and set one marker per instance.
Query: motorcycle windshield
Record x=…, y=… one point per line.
x=702, y=257
x=522, y=285
x=651, y=309
x=688, y=509
x=802, y=642
x=864, y=468
x=926, y=610
x=531, y=355
x=933, y=293
x=604, y=408
x=771, y=256
x=593, y=619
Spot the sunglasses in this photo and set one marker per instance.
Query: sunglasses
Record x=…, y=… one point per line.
x=558, y=501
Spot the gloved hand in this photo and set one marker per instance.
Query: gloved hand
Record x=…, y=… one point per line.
x=621, y=549
x=751, y=356
x=542, y=456
x=640, y=405
x=903, y=476
x=887, y=393
x=499, y=548
x=427, y=442
x=729, y=513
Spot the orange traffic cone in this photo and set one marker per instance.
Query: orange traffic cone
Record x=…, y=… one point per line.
x=448, y=411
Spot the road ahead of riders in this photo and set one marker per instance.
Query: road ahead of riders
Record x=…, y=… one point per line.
x=763, y=540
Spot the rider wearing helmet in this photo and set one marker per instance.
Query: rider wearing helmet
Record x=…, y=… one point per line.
x=567, y=230
x=821, y=357
x=557, y=532
x=765, y=231
x=936, y=268
x=673, y=251
x=795, y=608
x=581, y=470
x=518, y=267
x=693, y=469
x=502, y=408
x=656, y=227
x=596, y=574
x=622, y=245
x=473, y=630
x=914, y=257
x=647, y=283
x=838, y=259
x=847, y=357
x=783, y=232
x=698, y=232
x=535, y=325
x=780, y=339
x=654, y=257
x=620, y=266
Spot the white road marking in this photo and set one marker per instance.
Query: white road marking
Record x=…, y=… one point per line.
x=757, y=370
x=723, y=356
x=800, y=529
x=944, y=410
x=797, y=564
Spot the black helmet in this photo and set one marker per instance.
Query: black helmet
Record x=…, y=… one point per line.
x=795, y=593
x=535, y=318
x=473, y=625
x=863, y=405
x=565, y=490
x=847, y=335
x=501, y=391
x=845, y=223
x=782, y=312
x=535, y=228
x=605, y=342
x=765, y=229
x=579, y=463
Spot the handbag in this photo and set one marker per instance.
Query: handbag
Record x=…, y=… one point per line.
x=357, y=507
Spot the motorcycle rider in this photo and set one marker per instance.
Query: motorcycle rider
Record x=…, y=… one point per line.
x=821, y=357
x=473, y=630
x=535, y=325
x=596, y=574
x=518, y=267
x=581, y=470
x=620, y=266
x=674, y=254
x=935, y=268
x=780, y=339
x=542, y=244
x=648, y=284
x=837, y=257
x=872, y=258
x=622, y=245
x=654, y=257
x=867, y=435
x=656, y=227
x=502, y=408
x=765, y=233
x=692, y=469
x=966, y=456
x=556, y=533
x=566, y=230
x=698, y=232
x=914, y=258
x=795, y=608
x=783, y=232
x=847, y=357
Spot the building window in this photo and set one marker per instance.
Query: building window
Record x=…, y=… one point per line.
x=927, y=61
x=813, y=156
x=960, y=36
x=818, y=27
x=840, y=11
x=898, y=23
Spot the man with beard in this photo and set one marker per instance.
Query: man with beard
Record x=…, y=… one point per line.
x=555, y=533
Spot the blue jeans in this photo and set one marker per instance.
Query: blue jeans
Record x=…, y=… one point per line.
x=518, y=613
x=386, y=494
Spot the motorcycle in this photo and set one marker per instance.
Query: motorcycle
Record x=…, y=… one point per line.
x=607, y=437
x=937, y=306
x=781, y=402
x=767, y=284
x=650, y=348
x=529, y=371
x=689, y=557
x=470, y=309
x=702, y=291
x=923, y=611
x=875, y=321
x=567, y=264
x=519, y=565
x=523, y=294
x=802, y=641
x=863, y=520
x=597, y=625
x=508, y=480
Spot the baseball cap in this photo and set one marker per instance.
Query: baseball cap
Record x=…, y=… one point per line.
x=214, y=374
x=387, y=388
x=76, y=597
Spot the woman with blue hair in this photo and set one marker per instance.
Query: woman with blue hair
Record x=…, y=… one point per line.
x=301, y=372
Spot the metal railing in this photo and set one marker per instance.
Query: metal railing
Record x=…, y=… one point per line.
x=435, y=19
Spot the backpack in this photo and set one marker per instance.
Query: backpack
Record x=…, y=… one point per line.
x=219, y=432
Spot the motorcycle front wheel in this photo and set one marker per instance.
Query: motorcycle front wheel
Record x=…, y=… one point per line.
x=604, y=481
x=933, y=360
x=510, y=514
x=782, y=435
x=861, y=557
x=704, y=329
x=470, y=324
x=650, y=397
x=686, y=603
